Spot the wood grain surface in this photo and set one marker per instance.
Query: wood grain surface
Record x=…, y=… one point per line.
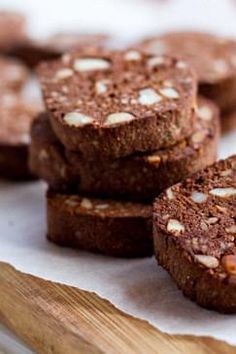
x=54, y=318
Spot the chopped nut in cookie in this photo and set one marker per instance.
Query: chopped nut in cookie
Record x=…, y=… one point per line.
x=64, y=73
x=199, y=197
x=90, y=64
x=133, y=55
x=102, y=206
x=148, y=96
x=154, y=160
x=119, y=117
x=198, y=137
x=169, y=92
x=71, y=202
x=181, y=64
x=77, y=119
x=156, y=61
x=175, y=227
x=212, y=220
x=229, y=264
x=170, y=194
x=207, y=261
x=205, y=113
x=101, y=86
x=231, y=229
x=86, y=203
x=223, y=192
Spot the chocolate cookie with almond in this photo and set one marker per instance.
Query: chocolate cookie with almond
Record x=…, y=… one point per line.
x=113, y=104
x=213, y=58
x=118, y=229
x=194, y=235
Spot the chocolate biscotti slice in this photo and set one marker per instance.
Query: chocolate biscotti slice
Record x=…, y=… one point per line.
x=194, y=235
x=135, y=177
x=112, y=104
x=213, y=58
x=15, y=120
x=12, y=30
x=120, y=229
x=32, y=51
x=13, y=74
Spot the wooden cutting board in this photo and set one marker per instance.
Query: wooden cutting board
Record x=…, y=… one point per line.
x=53, y=318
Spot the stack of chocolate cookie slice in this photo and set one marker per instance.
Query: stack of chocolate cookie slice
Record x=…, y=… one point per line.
x=119, y=128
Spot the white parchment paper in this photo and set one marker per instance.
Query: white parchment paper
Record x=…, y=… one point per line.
x=138, y=287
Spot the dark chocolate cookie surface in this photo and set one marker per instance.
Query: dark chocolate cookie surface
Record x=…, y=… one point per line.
x=194, y=235
x=102, y=226
x=112, y=104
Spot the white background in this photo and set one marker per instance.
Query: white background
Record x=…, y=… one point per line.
x=127, y=17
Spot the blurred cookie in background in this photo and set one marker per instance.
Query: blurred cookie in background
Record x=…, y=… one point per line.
x=13, y=74
x=228, y=121
x=16, y=116
x=12, y=30
x=31, y=52
x=212, y=57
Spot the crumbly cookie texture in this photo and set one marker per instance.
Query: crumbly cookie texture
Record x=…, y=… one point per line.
x=121, y=229
x=116, y=103
x=194, y=235
x=135, y=177
x=216, y=69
